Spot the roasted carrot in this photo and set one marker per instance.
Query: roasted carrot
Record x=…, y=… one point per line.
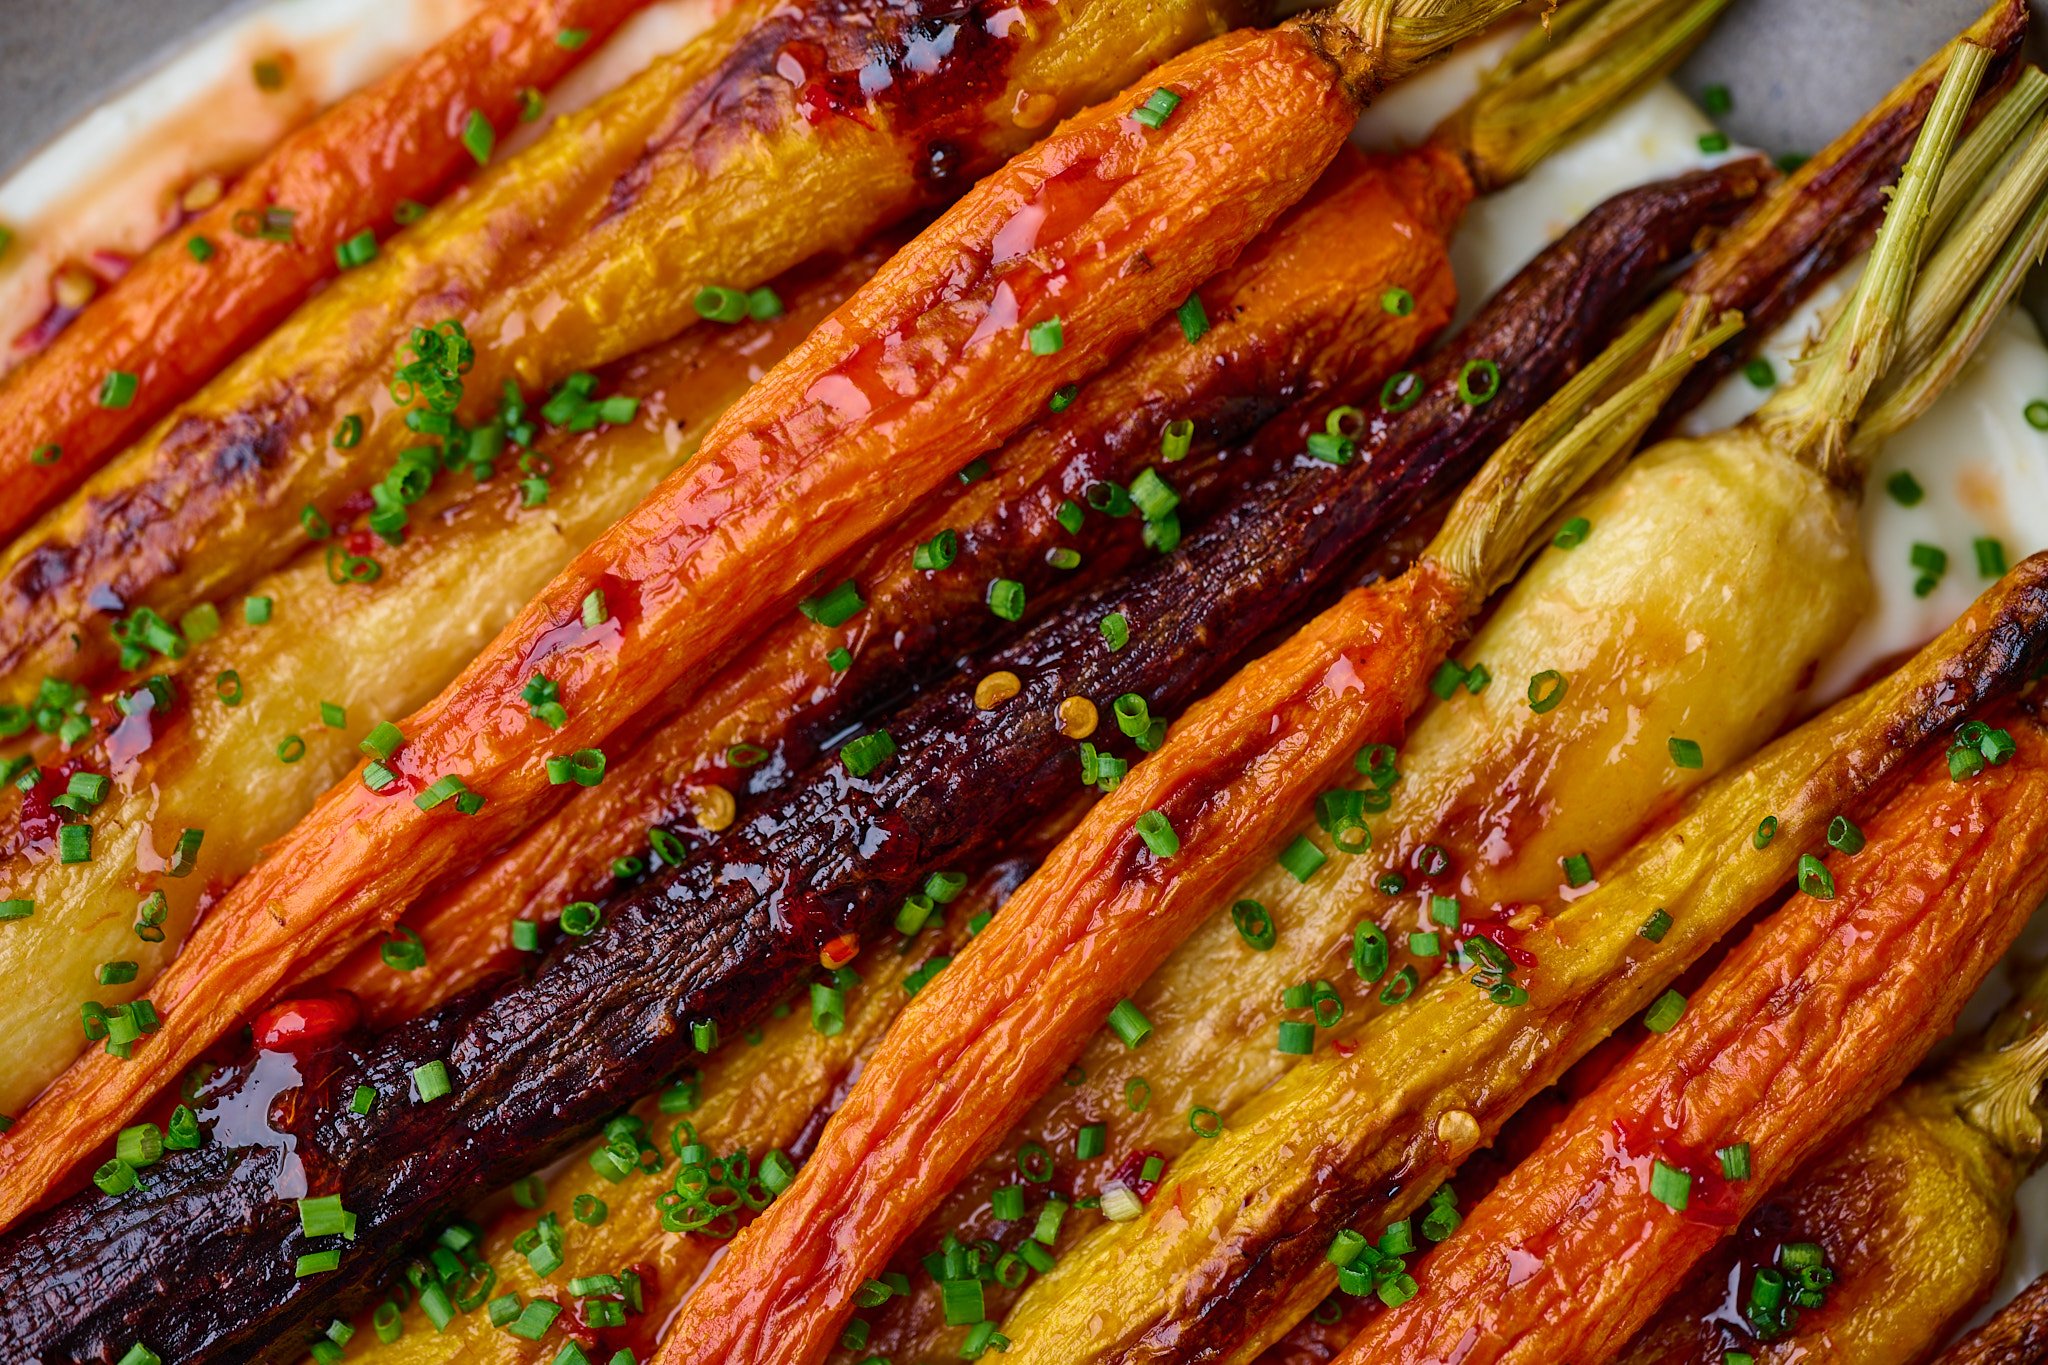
x=1299, y=316
x=2018, y=1335
x=1488, y=797
x=712, y=943
x=770, y=1095
x=1912, y=1210
x=172, y=322
x=1495, y=790
x=930, y=362
x=1817, y=1015
x=260, y=719
x=969, y=1054
x=751, y=149
x=1394, y=210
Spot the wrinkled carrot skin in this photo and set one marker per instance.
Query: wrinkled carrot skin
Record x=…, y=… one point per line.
x=1299, y=314
x=1362, y=1139
x=1818, y=1014
x=2018, y=1335
x=770, y=1095
x=735, y=159
x=925, y=365
x=1913, y=1209
x=206, y=765
x=1100, y=912
x=173, y=322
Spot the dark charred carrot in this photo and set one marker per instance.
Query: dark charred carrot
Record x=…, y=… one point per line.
x=1298, y=317
x=1820, y=1013
x=171, y=322
x=956, y=343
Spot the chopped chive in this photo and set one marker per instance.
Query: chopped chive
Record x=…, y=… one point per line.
x=1194, y=318
x=1572, y=534
x=1478, y=382
x=1664, y=1015
x=937, y=553
x=317, y=1263
x=1048, y=337
x=1157, y=108
x=1397, y=301
x=864, y=753
x=1815, y=879
x=16, y=909
x=716, y=303
x=1766, y=830
x=383, y=740
x=1116, y=631
x=1157, y=832
x=1204, y=1122
x=1716, y=100
x=1656, y=926
x=838, y=606
x=1091, y=1141
x=117, y=390
x=585, y=768
x=595, y=612
x=1546, y=690
x=1670, y=1186
x=2036, y=414
x=1401, y=392
x=1734, y=1161
x=1254, y=925
x=431, y=1081
x=1760, y=373
x=1578, y=870
x=1063, y=397
x=1712, y=143
x=1297, y=1039
x=1175, y=440
x=1990, y=557
x=1905, y=490
x=1302, y=858
x=74, y=843
x=1685, y=753
x=479, y=137
x=839, y=660
x=355, y=251
x=360, y=1103
x=199, y=249
x=1129, y=1023
x=572, y=38
x=1006, y=598
x=1845, y=836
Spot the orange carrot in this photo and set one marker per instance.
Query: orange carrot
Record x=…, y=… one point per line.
x=172, y=322
x=953, y=345
x=976, y=1045
x=1821, y=1012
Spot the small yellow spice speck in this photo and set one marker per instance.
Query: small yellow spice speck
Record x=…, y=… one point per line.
x=74, y=287
x=714, y=807
x=1458, y=1131
x=202, y=194
x=1077, y=718
x=997, y=688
